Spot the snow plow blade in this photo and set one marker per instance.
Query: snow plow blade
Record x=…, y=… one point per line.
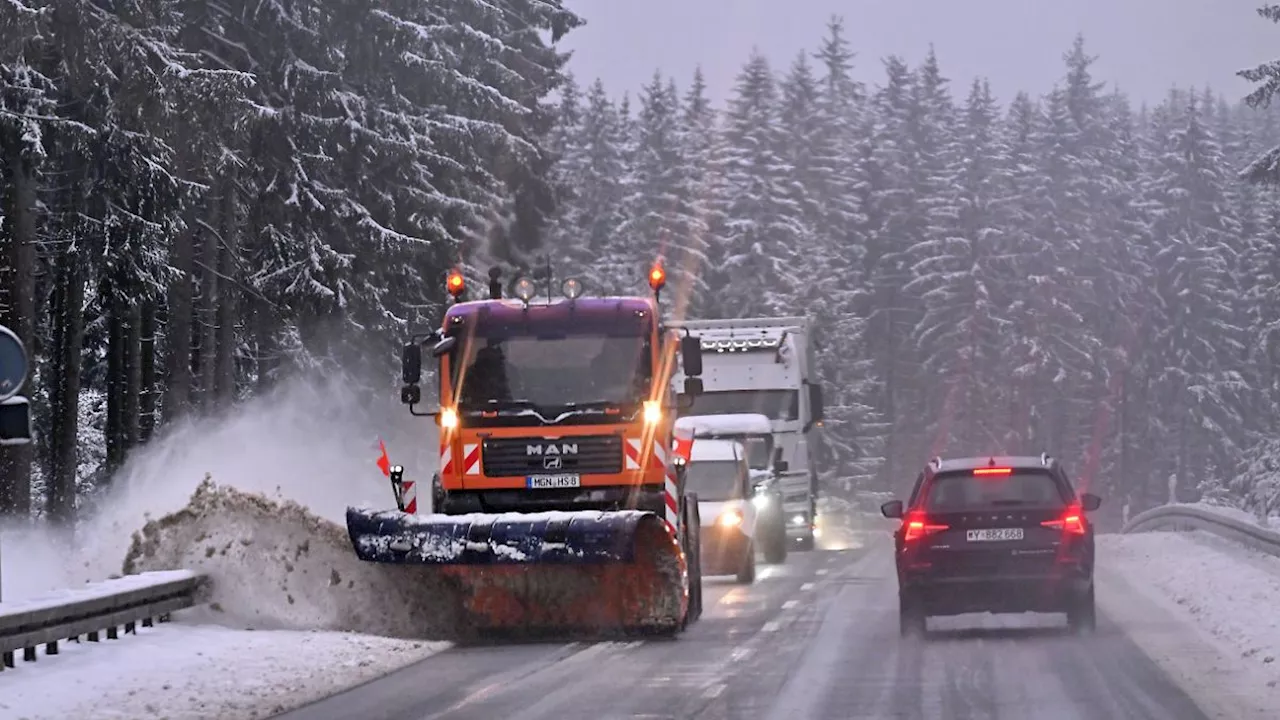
x=536, y=573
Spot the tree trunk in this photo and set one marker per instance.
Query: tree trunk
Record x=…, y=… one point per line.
x=132, y=373
x=117, y=380
x=225, y=368
x=64, y=393
x=177, y=397
x=264, y=339
x=147, y=400
x=209, y=304
x=18, y=235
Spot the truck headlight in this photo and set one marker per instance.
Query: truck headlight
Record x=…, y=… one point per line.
x=761, y=501
x=652, y=412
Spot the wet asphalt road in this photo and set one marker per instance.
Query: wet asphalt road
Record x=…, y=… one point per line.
x=814, y=639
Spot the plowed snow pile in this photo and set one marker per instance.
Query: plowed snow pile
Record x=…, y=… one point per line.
x=270, y=532
x=276, y=566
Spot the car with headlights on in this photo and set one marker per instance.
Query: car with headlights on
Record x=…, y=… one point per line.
x=718, y=473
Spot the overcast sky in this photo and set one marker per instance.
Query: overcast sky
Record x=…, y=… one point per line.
x=1144, y=46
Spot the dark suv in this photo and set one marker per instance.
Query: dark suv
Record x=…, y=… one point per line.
x=994, y=534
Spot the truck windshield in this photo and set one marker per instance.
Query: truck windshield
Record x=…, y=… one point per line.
x=773, y=404
x=715, y=480
x=554, y=371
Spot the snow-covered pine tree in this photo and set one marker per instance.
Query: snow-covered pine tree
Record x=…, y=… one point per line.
x=765, y=230
x=702, y=146
x=960, y=278
x=892, y=214
x=1198, y=412
x=586, y=222
x=1265, y=168
x=855, y=431
x=661, y=217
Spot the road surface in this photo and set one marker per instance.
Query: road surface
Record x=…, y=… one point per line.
x=815, y=639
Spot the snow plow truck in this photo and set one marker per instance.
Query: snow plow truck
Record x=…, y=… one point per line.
x=559, y=505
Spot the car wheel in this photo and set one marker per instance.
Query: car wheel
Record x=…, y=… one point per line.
x=1082, y=614
x=747, y=574
x=912, y=620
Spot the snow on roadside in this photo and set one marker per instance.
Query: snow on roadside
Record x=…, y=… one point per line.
x=1225, y=593
x=189, y=670
x=276, y=566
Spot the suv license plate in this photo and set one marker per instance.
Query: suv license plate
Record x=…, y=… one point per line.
x=552, y=482
x=994, y=535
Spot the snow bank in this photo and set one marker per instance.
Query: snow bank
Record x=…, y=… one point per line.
x=313, y=441
x=190, y=671
x=274, y=565
x=1223, y=591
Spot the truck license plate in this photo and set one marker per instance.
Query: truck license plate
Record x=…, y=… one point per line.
x=552, y=482
x=995, y=534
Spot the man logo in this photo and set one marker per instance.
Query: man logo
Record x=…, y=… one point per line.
x=552, y=462
x=551, y=449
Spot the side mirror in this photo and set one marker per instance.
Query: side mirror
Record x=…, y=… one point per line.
x=815, y=402
x=693, y=386
x=780, y=466
x=691, y=355
x=1090, y=502
x=444, y=346
x=411, y=394
x=892, y=510
x=411, y=363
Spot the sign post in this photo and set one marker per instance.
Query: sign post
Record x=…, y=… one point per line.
x=15, y=410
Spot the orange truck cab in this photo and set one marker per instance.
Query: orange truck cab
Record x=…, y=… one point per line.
x=555, y=404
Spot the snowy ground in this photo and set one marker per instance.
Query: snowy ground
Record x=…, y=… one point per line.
x=1202, y=607
x=189, y=670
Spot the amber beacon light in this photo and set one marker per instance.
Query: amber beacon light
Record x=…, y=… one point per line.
x=455, y=283
x=657, y=277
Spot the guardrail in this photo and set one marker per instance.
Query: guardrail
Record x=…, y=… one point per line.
x=92, y=609
x=1192, y=517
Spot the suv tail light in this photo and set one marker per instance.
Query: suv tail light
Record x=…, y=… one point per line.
x=1071, y=522
x=918, y=526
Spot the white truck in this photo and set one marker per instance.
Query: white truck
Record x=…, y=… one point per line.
x=764, y=366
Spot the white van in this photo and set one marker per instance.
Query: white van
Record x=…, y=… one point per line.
x=720, y=476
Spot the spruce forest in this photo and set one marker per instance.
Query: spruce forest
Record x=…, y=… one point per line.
x=199, y=199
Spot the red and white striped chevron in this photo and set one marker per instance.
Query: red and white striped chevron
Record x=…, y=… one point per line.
x=409, y=492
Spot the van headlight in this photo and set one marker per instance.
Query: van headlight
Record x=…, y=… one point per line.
x=730, y=518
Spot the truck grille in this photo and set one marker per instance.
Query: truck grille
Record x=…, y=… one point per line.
x=594, y=454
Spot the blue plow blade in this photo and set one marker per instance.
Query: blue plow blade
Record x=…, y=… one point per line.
x=566, y=538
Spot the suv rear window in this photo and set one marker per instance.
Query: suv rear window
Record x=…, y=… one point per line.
x=962, y=490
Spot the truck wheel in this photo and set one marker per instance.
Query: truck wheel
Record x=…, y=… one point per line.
x=747, y=574
x=775, y=546
x=693, y=551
